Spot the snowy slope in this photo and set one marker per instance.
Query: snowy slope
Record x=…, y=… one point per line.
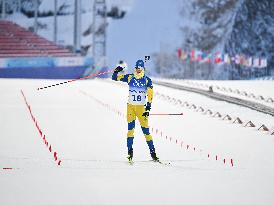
x=79, y=121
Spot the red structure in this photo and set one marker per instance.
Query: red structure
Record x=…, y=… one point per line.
x=24, y=54
x=16, y=41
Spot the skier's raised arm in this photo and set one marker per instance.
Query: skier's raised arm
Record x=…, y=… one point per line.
x=120, y=67
x=116, y=77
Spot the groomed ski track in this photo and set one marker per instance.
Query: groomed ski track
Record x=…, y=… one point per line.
x=245, y=103
x=85, y=124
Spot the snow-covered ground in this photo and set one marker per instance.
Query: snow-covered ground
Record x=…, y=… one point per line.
x=83, y=122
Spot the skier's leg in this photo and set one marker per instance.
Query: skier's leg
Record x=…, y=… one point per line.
x=145, y=128
x=131, y=116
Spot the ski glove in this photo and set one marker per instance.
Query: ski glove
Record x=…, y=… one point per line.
x=148, y=106
x=118, y=69
x=145, y=114
x=147, y=109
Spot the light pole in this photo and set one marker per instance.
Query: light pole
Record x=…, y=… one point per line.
x=3, y=9
x=35, y=16
x=99, y=33
x=18, y=6
x=55, y=22
x=77, y=26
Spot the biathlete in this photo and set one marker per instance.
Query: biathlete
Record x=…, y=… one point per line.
x=139, y=104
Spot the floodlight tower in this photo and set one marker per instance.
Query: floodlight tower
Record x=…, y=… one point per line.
x=77, y=27
x=3, y=9
x=99, y=33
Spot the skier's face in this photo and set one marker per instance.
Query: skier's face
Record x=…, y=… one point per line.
x=139, y=70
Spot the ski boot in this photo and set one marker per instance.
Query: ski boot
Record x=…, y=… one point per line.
x=154, y=157
x=130, y=156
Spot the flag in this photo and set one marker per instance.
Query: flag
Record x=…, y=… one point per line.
x=204, y=57
x=249, y=62
x=218, y=58
x=237, y=59
x=263, y=62
x=179, y=52
x=256, y=62
x=226, y=59
x=242, y=59
x=193, y=55
x=184, y=55
x=199, y=55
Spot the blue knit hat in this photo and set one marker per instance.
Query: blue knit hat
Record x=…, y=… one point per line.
x=140, y=64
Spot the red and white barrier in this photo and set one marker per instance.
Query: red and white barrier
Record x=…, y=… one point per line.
x=42, y=135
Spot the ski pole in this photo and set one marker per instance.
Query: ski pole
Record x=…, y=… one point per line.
x=69, y=81
x=166, y=114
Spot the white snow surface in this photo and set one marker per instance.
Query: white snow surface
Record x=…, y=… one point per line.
x=79, y=121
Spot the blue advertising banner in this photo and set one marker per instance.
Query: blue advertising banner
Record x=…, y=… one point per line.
x=47, y=68
x=43, y=62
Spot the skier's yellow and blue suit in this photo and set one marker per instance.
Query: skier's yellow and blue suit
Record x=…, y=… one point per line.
x=139, y=90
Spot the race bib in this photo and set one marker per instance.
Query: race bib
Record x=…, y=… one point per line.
x=137, y=97
x=137, y=91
